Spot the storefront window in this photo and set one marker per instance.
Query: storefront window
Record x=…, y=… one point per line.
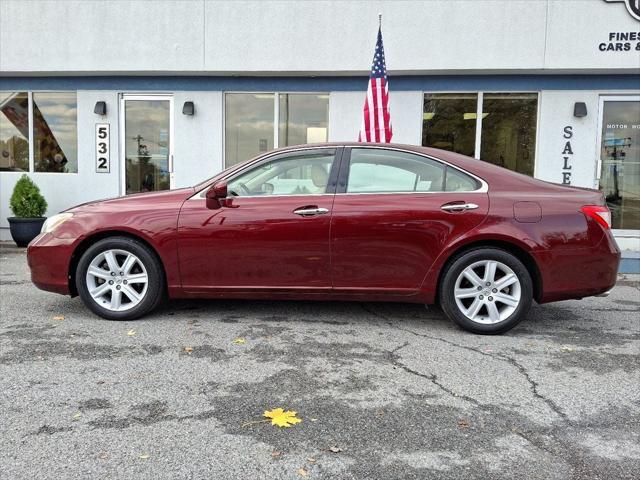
x=14, y=131
x=249, y=126
x=620, y=157
x=304, y=118
x=449, y=122
x=55, y=139
x=508, y=136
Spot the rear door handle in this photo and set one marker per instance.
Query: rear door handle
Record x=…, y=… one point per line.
x=458, y=207
x=310, y=211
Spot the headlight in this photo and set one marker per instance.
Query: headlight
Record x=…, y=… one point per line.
x=54, y=222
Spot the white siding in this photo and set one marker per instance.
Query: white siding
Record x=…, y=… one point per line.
x=324, y=36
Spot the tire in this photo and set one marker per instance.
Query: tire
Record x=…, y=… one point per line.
x=134, y=297
x=494, y=308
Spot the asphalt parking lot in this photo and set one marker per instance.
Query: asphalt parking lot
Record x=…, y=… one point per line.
x=384, y=391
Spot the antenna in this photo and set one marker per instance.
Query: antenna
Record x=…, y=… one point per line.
x=379, y=20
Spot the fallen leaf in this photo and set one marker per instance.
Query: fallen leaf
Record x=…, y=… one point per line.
x=59, y=317
x=566, y=348
x=281, y=418
x=144, y=456
x=103, y=456
x=314, y=419
x=276, y=454
x=188, y=349
x=379, y=412
x=335, y=449
x=311, y=460
x=463, y=423
x=76, y=416
x=240, y=341
x=302, y=472
x=131, y=333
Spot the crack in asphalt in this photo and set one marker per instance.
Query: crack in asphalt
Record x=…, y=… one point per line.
x=433, y=378
x=533, y=385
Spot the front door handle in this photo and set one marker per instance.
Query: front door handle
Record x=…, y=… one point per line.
x=458, y=207
x=310, y=211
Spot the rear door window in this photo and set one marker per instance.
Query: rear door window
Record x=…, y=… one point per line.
x=387, y=171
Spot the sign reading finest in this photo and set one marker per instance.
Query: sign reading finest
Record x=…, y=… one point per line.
x=103, y=160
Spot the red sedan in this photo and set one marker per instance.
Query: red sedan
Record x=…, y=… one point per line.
x=363, y=222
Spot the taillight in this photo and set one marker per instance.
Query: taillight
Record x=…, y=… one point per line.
x=600, y=214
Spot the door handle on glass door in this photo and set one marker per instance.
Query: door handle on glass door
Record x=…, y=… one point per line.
x=458, y=207
x=310, y=211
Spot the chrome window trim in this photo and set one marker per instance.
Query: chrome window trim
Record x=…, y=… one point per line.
x=484, y=186
x=260, y=160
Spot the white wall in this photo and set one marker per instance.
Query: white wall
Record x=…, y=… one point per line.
x=197, y=153
x=556, y=112
x=324, y=36
x=63, y=190
x=198, y=138
x=346, y=110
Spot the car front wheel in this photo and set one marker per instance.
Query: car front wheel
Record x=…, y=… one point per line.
x=119, y=278
x=486, y=291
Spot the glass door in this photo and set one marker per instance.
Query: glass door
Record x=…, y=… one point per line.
x=146, y=143
x=619, y=159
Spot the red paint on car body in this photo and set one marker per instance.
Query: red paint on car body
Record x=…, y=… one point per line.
x=390, y=247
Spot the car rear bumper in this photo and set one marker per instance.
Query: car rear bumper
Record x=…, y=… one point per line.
x=48, y=258
x=577, y=273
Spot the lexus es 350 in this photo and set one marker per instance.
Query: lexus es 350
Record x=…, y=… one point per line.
x=364, y=222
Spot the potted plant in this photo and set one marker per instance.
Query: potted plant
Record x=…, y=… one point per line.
x=29, y=206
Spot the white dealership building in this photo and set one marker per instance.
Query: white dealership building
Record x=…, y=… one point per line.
x=99, y=99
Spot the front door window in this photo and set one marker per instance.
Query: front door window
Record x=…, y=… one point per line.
x=620, y=160
x=298, y=174
x=147, y=143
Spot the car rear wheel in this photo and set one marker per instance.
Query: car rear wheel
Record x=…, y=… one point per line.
x=119, y=278
x=486, y=291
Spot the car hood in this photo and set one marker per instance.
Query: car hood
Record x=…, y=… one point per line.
x=137, y=200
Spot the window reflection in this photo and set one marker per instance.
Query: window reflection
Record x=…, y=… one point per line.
x=305, y=174
x=620, y=155
x=449, y=122
x=303, y=119
x=147, y=146
x=55, y=139
x=249, y=126
x=509, y=130
x=14, y=131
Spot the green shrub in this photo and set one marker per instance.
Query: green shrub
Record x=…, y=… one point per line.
x=26, y=200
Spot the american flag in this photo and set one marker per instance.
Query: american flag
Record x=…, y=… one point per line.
x=376, y=121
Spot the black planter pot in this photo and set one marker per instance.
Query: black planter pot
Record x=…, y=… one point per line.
x=23, y=230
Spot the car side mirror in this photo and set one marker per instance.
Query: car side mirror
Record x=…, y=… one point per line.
x=217, y=192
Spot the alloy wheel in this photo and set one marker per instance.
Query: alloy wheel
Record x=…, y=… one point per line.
x=117, y=280
x=487, y=292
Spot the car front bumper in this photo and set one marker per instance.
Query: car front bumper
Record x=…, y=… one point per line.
x=49, y=259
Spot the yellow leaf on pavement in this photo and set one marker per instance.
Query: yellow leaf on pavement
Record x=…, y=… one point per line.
x=281, y=418
x=144, y=456
x=240, y=341
x=302, y=472
x=77, y=416
x=131, y=333
x=59, y=317
x=188, y=349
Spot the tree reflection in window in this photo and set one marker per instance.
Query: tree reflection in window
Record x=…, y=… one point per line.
x=14, y=131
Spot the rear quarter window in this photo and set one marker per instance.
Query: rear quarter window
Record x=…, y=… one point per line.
x=456, y=181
